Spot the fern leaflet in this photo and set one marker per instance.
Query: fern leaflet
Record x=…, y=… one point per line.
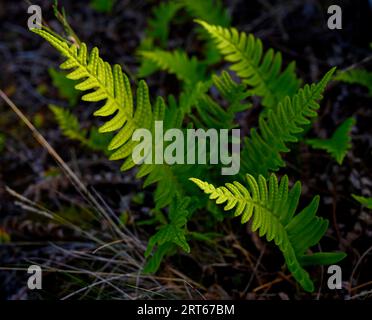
x=338, y=144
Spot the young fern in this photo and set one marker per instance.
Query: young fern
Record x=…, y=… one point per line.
x=262, y=150
x=262, y=72
x=271, y=207
x=340, y=142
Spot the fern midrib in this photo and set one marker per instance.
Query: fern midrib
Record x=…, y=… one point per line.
x=102, y=87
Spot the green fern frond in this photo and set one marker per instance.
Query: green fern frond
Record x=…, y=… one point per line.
x=231, y=91
x=70, y=127
x=205, y=112
x=357, y=76
x=271, y=207
x=340, y=142
x=174, y=232
x=159, y=23
x=111, y=86
x=262, y=150
x=213, y=12
x=68, y=123
x=262, y=72
x=364, y=201
x=187, y=70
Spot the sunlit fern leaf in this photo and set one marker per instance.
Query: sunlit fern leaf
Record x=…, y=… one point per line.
x=271, y=207
x=364, y=201
x=356, y=76
x=188, y=70
x=262, y=150
x=340, y=142
x=261, y=71
x=109, y=85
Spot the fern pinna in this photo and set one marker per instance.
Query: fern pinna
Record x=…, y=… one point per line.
x=272, y=208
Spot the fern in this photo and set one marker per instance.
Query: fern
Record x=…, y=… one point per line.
x=357, y=76
x=70, y=128
x=262, y=151
x=234, y=93
x=157, y=33
x=338, y=144
x=211, y=11
x=68, y=123
x=159, y=23
x=272, y=209
x=206, y=112
x=187, y=70
x=66, y=87
x=159, y=26
x=262, y=72
x=112, y=86
x=364, y=201
x=172, y=232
